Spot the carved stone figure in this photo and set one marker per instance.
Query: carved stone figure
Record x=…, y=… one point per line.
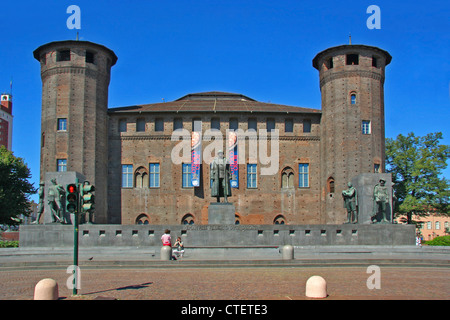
x=220, y=175
x=350, y=196
x=55, y=193
x=381, y=201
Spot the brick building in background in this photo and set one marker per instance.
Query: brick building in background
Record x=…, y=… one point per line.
x=430, y=226
x=127, y=152
x=6, y=121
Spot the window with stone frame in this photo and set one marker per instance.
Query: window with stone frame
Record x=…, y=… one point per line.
x=287, y=178
x=141, y=178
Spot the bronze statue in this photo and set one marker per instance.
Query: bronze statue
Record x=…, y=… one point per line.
x=350, y=203
x=55, y=193
x=220, y=175
x=40, y=208
x=381, y=201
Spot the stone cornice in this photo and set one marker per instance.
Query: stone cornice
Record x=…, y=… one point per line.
x=206, y=139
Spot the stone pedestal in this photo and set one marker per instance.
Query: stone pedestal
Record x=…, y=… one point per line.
x=221, y=213
x=365, y=184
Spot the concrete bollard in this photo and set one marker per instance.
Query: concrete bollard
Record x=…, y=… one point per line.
x=46, y=289
x=316, y=287
x=166, y=252
x=287, y=252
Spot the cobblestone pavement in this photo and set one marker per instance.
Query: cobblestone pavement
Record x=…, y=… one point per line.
x=262, y=283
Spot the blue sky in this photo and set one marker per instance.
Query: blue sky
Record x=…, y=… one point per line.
x=262, y=49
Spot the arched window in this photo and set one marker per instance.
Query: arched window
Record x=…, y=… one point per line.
x=143, y=219
x=279, y=219
x=353, y=98
x=141, y=178
x=188, y=219
x=330, y=185
x=287, y=178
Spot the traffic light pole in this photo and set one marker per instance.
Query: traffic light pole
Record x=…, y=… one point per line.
x=75, y=254
x=75, y=246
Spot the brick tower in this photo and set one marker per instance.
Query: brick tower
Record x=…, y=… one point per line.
x=352, y=125
x=74, y=137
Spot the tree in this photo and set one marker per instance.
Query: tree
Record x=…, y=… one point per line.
x=416, y=164
x=15, y=188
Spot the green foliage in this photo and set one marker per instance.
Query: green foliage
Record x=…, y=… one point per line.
x=9, y=244
x=416, y=164
x=439, y=241
x=15, y=188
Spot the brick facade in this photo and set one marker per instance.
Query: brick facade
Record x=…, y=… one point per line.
x=319, y=151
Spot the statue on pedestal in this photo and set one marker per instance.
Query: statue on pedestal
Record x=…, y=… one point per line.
x=55, y=193
x=40, y=208
x=381, y=201
x=350, y=196
x=220, y=175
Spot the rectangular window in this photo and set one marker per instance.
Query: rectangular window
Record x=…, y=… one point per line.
x=429, y=225
x=197, y=125
x=63, y=55
x=215, y=123
x=330, y=63
x=252, y=124
x=187, y=176
x=352, y=59
x=159, y=124
x=89, y=57
x=288, y=125
x=140, y=125
x=251, y=176
x=365, y=127
x=122, y=125
x=303, y=175
x=306, y=126
x=62, y=124
x=270, y=124
x=154, y=175
x=127, y=176
x=61, y=165
x=374, y=62
x=177, y=124
x=234, y=124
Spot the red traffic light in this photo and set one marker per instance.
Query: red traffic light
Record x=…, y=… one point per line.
x=71, y=188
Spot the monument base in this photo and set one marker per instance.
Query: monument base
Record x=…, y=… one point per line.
x=101, y=235
x=221, y=213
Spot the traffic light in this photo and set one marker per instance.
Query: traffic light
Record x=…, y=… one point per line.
x=87, y=197
x=72, y=198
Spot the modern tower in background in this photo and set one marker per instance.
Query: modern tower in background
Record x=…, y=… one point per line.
x=6, y=121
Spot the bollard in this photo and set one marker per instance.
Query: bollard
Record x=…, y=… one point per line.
x=287, y=252
x=46, y=289
x=316, y=287
x=166, y=252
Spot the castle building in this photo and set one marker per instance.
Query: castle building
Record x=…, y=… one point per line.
x=6, y=121
x=292, y=162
